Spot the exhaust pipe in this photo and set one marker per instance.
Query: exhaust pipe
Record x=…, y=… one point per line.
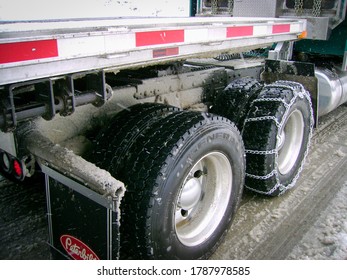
x=332, y=89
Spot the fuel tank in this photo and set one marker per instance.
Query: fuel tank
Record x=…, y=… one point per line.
x=332, y=89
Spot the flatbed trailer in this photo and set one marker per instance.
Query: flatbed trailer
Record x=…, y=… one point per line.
x=178, y=135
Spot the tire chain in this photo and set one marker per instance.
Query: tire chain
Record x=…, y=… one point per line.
x=299, y=92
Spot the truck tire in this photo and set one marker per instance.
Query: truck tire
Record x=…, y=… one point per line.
x=234, y=101
x=113, y=144
x=276, y=136
x=184, y=183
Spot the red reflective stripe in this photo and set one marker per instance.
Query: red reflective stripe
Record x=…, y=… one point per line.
x=280, y=28
x=22, y=51
x=165, y=52
x=239, y=31
x=159, y=37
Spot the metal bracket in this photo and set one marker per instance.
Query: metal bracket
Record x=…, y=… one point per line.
x=44, y=98
x=45, y=93
x=283, y=51
x=8, y=120
x=47, y=97
x=64, y=90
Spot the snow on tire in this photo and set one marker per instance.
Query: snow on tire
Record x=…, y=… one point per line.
x=184, y=184
x=276, y=136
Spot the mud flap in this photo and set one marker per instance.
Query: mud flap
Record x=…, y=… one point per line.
x=300, y=72
x=82, y=223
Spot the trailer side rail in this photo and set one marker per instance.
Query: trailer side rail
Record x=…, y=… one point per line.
x=33, y=50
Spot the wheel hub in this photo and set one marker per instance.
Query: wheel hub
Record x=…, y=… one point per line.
x=191, y=194
x=281, y=139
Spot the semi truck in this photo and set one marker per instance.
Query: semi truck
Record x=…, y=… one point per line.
x=148, y=120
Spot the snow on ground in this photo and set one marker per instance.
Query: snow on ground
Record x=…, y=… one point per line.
x=327, y=238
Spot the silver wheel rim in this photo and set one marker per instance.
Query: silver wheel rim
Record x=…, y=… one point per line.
x=203, y=199
x=289, y=142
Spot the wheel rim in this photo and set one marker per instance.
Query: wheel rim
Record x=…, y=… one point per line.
x=289, y=142
x=203, y=199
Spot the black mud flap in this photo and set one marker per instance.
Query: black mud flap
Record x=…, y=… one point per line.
x=83, y=224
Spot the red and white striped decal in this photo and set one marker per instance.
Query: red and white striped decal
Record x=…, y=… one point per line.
x=30, y=50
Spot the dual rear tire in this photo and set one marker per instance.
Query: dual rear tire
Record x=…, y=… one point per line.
x=184, y=173
x=276, y=122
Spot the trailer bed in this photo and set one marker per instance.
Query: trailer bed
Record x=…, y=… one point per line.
x=41, y=49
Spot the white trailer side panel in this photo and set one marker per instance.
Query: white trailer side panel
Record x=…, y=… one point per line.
x=76, y=9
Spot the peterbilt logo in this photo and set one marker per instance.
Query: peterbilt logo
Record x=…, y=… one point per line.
x=77, y=249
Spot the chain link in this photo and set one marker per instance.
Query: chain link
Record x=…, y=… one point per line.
x=255, y=152
x=265, y=118
x=299, y=7
x=285, y=104
x=265, y=177
x=230, y=7
x=214, y=7
x=317, y=6
x=316, y=9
